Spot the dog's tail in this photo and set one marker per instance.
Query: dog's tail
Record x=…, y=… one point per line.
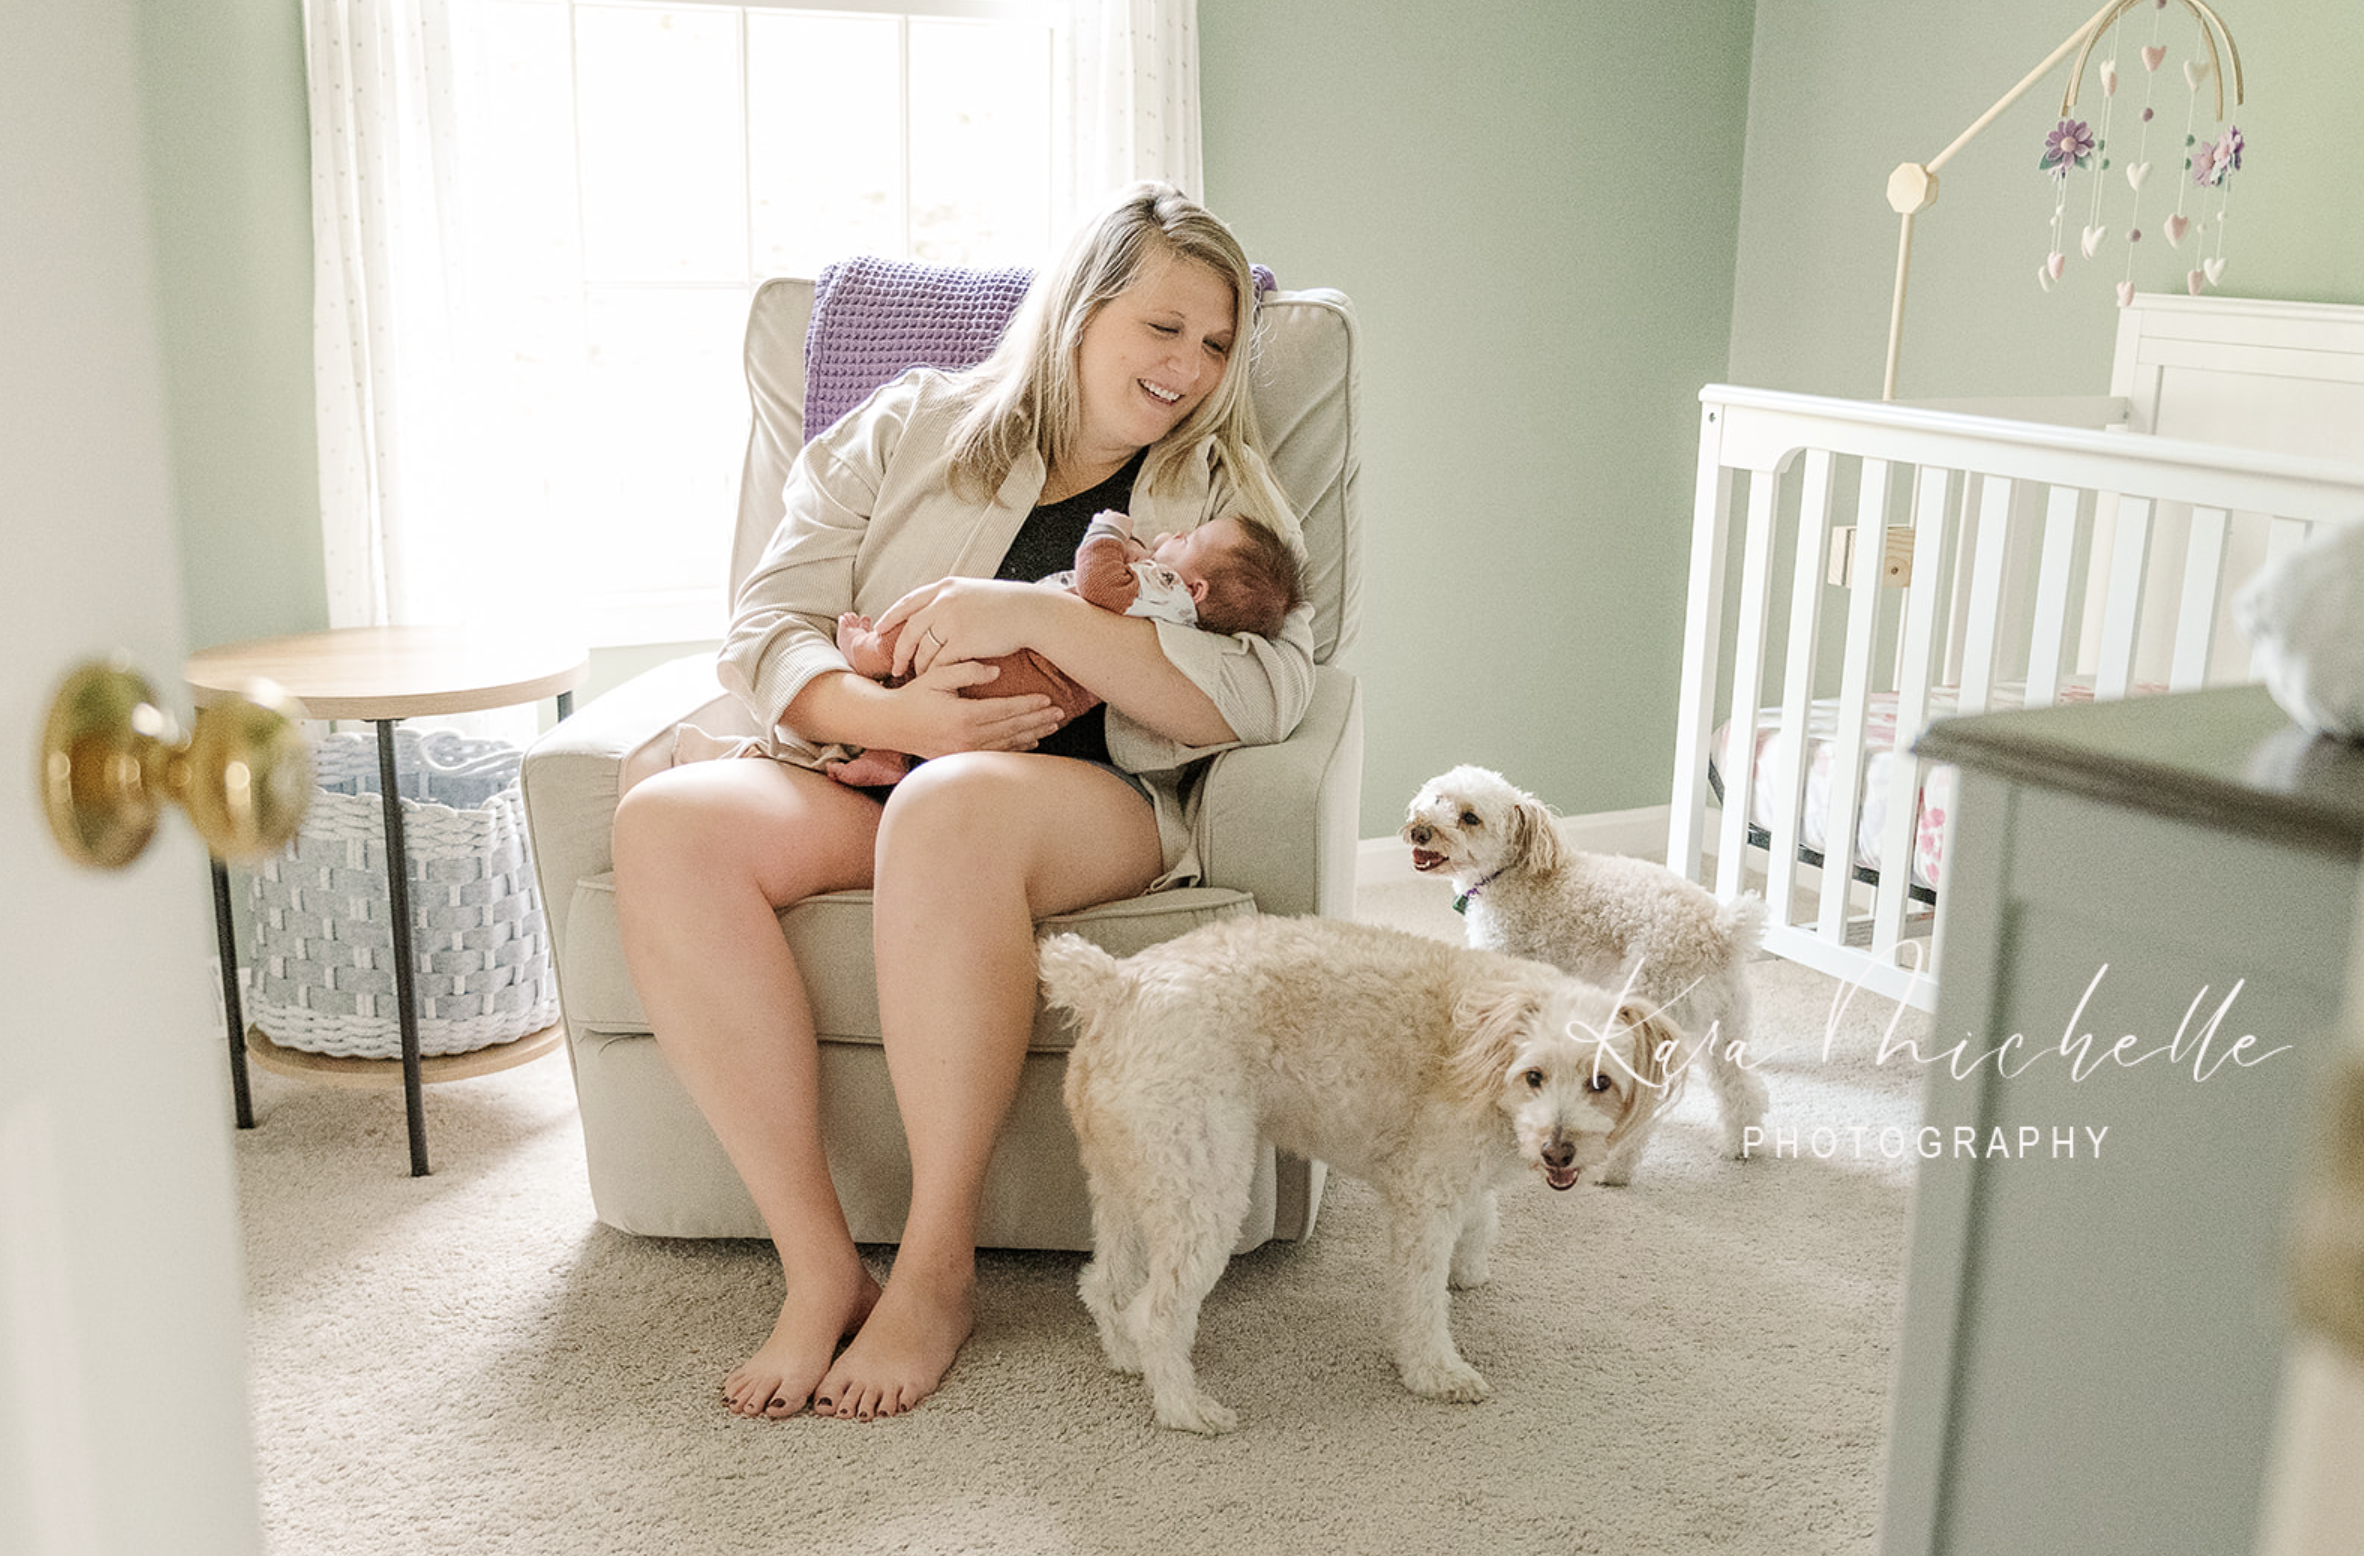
x=1742, y=922
x=1078, y=977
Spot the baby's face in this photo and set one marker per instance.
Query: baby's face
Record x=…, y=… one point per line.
x=1193, y=554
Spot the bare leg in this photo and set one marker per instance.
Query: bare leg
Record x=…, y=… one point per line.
x=973, y=849
x=704, y=855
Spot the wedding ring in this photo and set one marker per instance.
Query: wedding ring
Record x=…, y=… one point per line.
x=932, y=634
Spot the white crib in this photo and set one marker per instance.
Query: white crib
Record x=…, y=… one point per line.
x=1975, y=561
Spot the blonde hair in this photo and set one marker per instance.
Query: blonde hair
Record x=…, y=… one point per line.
x=1028, y=396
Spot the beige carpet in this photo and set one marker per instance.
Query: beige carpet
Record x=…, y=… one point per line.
x=470, y=1363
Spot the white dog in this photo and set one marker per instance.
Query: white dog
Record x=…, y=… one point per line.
x=1428, y=1070
x=1627, y=924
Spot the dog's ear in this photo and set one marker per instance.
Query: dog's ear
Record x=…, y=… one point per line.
x=1660, y=1058
x=1489, y=1019
x=1534, y=836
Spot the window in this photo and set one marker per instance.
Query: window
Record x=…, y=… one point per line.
x=635, y=169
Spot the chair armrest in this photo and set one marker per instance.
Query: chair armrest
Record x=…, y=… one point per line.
x=573, y=775
x=1281, y=821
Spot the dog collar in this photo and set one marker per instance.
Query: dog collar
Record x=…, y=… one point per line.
x=1461, y=903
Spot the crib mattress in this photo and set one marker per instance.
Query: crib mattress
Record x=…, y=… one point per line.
x=1931, y=804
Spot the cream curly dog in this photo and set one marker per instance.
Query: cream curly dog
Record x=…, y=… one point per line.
x=1431, y=1071
x=1626, y=924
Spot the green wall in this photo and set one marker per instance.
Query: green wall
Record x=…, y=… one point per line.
x=229, y=168
x=1844, y=90
x=1557, y=221
x=1534, y=208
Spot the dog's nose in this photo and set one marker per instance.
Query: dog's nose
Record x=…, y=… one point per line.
x=1418, y=833
x=1560, y=1154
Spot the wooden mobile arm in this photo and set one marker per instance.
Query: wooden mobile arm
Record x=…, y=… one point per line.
x=1912, y=187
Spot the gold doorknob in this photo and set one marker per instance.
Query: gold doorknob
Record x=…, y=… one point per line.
x=112, y=758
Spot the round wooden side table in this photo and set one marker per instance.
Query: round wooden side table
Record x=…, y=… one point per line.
x=384, y=675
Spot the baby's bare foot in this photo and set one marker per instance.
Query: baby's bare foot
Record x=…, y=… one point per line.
x=865, y=651
x=905, y=1348
x=873, y=769
x=778, y=1379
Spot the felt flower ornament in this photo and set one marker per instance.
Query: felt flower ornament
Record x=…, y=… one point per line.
x=2069, y=145
x=2212, y=160
x=2228, y=151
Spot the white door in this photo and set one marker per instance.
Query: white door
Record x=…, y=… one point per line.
x=123, y=1416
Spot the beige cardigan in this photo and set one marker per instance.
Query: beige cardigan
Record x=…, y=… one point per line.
x=871, y=516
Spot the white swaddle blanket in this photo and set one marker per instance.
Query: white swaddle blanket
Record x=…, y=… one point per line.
x=2304, y=615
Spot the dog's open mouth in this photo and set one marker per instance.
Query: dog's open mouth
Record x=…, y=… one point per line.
x=1425, y=859
x=1561, y=1177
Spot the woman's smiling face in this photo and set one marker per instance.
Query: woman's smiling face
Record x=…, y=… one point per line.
x=1151, y=355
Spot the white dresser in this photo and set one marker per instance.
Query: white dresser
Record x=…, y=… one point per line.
x=2094, y=1335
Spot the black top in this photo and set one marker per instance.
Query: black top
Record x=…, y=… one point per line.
x=1045, y=544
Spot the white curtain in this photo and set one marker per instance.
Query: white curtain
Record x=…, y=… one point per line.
x=409, y=535
x=387, y=80
x=1130, y=80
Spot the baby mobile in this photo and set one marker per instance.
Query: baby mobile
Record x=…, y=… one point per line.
x=2203, y=183
x=2083, y=146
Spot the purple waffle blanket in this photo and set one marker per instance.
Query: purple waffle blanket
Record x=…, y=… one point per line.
x=875, y=318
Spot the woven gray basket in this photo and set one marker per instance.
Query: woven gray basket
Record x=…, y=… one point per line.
x=323, y=935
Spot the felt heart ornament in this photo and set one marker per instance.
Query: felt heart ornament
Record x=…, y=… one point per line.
x=2195, y=71
x=2152, y=54
x=2125, y=294
x=2090, y=239
x=2054, y=264
x=2177, y=225
x=2109, y=78
x=2215, y=269
x=2191, y=283
x=2044, y=276
x=2136, y=172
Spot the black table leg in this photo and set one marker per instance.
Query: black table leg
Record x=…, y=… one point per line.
x=406, y=996
x=233, y=1009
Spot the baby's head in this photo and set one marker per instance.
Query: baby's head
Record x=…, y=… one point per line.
x=1243, y=575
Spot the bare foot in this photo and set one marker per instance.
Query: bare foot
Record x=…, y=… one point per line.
x=873, y=769
x=866, y=652
x=903, y=1351
x=777, y=1380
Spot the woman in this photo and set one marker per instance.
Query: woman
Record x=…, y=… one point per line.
x=1121, y=383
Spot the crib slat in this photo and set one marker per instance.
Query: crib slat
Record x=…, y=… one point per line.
x=2195, y=618
x=1846, y=763
x=2049, y=634
x=2121, y=613
x=1702, y=646
x=1797, y=682
x=1916, y=659
x=2075, y=570
x=1748, y=683
x=1986, y=594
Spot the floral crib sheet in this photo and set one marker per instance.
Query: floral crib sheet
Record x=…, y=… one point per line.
x=1932, y=804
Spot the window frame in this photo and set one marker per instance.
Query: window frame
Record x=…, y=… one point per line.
x=616, y=617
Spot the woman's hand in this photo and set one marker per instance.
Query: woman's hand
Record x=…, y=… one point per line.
x=956, y=619
x=939, y=721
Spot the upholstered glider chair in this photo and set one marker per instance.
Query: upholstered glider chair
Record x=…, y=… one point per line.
x=1277, y=828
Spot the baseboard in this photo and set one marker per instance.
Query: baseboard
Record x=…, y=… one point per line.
x=1387, y=861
